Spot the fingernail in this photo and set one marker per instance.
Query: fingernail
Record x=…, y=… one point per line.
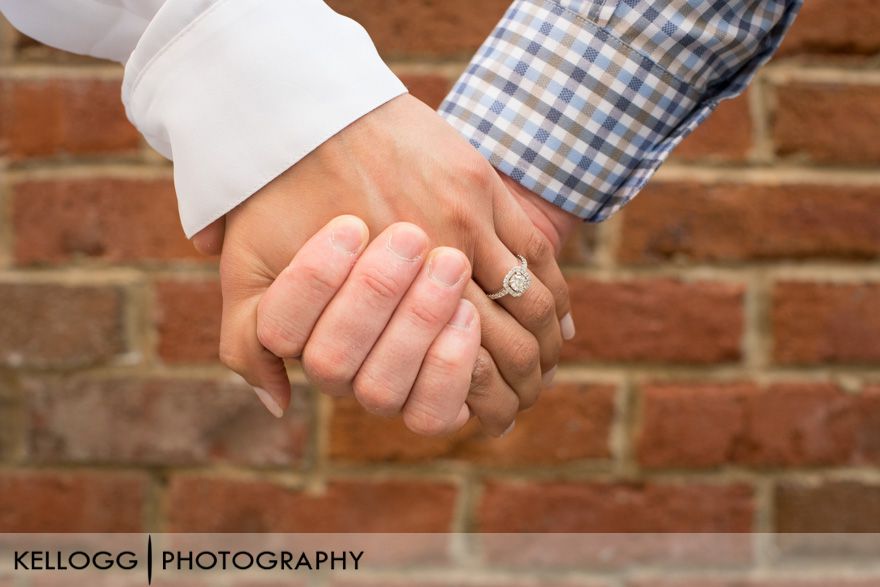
x=548, y=377
x=447, y=267
x=464, y=316
x=348, y=235
x=509, y=429
x=269, y=402
x=407, y=242
x=567, y=326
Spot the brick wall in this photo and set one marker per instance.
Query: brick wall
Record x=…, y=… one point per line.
x=725, y=377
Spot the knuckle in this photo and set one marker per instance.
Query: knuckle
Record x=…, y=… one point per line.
x=440, y=360
x=376, y=395
x=424, y=316
x=561, y=293
x=475, y=171
x=543, y=307
x=316, y=279
x=279, y=338
x=538, y=247
x=378, y=286
x=232, y=355
x=325, y=366
x=524, y=356
x=424, y=421
x=481, y=377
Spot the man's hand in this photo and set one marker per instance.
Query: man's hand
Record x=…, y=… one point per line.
x=427, y=337
x=400, y=163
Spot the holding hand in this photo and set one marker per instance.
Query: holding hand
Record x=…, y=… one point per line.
x=386, y=322
x=400, y=163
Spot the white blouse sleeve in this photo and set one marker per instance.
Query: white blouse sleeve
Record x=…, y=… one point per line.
x=234, y=91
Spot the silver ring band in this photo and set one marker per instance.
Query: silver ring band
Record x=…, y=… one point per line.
x=516, y=282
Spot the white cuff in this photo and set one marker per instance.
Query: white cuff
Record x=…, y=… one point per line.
x=246, y=90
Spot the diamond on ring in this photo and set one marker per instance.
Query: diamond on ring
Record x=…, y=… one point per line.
x=516, y=282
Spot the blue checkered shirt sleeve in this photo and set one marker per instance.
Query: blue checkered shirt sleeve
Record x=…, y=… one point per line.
x=580, y=101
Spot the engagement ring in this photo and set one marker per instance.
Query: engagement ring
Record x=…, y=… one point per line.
x=516, y=282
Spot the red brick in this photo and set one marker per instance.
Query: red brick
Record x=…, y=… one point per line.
x=819, y=578
x=159, y=422
x=207, y=504
x=704, y=425
x=821, y=323
x=110, y=219
x=835, y=27
x=64, y=117
x=697, y=222
x=188, y=320
x=425, y=28
x=614, y=507
x=832, y=506
x=52, y=325
x=725, y=136
x=71, y=502
x=825, y=123
x=656, y=321
x=569, y=423
x=429, y=88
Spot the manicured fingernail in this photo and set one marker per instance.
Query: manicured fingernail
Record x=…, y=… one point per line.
x=447, y=267
x=269, y=402
x=407, y=242
x=548, y=377
x=463, y=317
x=349, y=235
x=509, y=429
x=567, y=326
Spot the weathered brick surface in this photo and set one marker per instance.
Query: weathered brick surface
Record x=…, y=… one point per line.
x=614, y=507
x=570, y=423
x=656, y=321
x=159, y=421
x=835, y=27
x=723, y=374
x=828, y=123
x=48, y=325
x=833, y=506
x=727, y=223
x=819, y=579
x=48, y=501
x=187, y=318
x=725, y=137
x=789, y=425
x=206, y=504
x=429, y=88
x=64, y=117
x=825, y=323
x=425, y=28
x=112, y=220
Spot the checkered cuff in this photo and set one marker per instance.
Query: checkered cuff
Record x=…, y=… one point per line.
x=580, y=101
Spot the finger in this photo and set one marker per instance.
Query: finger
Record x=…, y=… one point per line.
x=292, y=305
x=535, y=309
x=437, y=402
x=517, y=231
x=355, y=318
x=514, y=350
x=391, y=368
x=241, y=351
x=209, y=241
x=490, y=399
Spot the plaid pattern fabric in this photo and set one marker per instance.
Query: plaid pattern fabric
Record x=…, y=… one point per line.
x=581, y=100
